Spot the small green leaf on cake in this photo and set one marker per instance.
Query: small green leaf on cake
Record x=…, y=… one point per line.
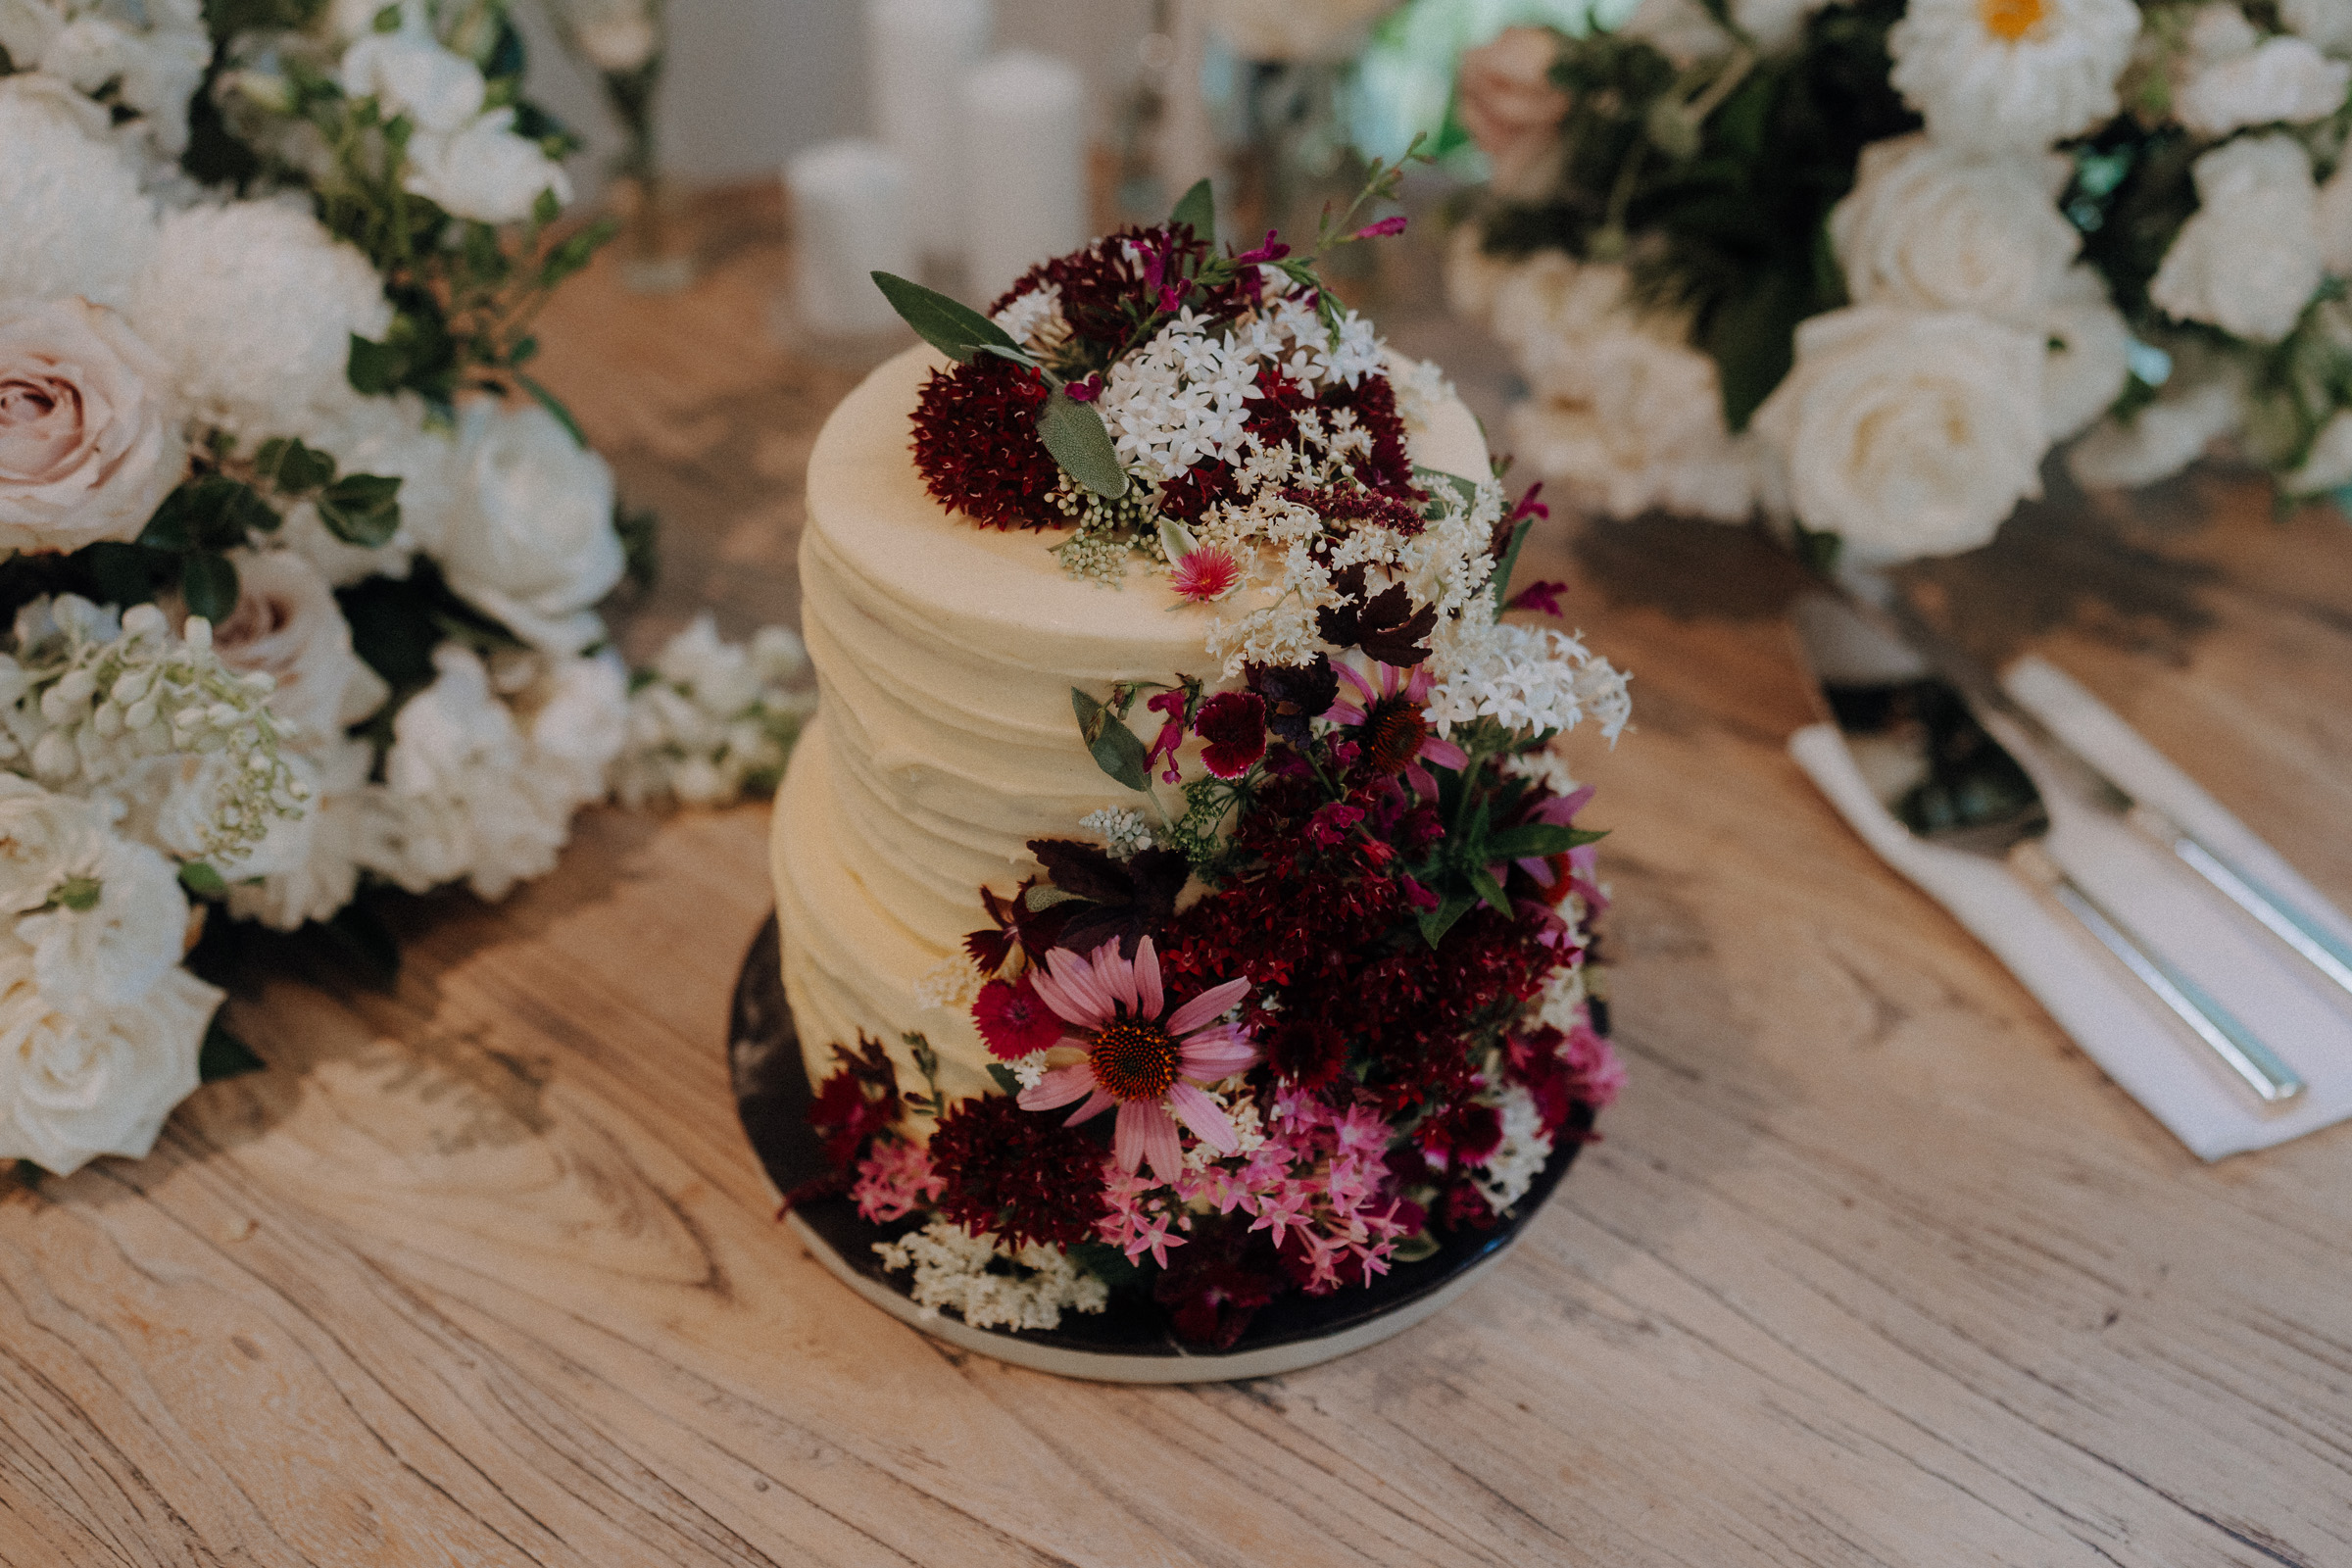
x=1116, y=748
x=1081, y=443
x=954, y=328
x=1003, y=1076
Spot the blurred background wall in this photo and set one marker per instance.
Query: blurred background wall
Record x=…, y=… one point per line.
x=752, y=82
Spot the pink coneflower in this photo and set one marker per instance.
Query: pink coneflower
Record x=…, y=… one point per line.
x=1396, y=737
x=1152, y=1066
x=1204, y=574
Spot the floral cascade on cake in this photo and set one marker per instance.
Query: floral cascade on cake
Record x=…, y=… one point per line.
x=1864, y=266
x=1321, y=991
x=299, y=570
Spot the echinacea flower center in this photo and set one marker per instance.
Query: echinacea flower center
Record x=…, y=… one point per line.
x=1134, y=1060
x=1394, y=735
x=2011, y=20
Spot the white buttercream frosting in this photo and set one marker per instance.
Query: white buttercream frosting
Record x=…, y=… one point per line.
x=945, y=739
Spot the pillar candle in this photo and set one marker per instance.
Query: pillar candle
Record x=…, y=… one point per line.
x=917, y=52
x=849, y=219
x=1025, y=172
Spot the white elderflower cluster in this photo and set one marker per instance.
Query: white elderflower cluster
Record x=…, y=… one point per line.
x=953, y=984
x=1506, y=1174
x=712, y=720
x=954, y=1268
x=87, y=697
x=1123, y=833
x=1529, y=678
x=1184, y=397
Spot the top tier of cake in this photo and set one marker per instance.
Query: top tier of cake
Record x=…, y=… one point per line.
x=944, y=740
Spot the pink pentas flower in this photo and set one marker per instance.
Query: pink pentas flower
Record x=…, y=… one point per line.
x=1150, y=1061
x=1387, y=705
x=1205, y=574
x=1592, y=1064
x=894, y=1181
x=1015, y=1020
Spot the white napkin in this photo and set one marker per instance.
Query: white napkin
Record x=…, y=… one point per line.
x=2115, y=1019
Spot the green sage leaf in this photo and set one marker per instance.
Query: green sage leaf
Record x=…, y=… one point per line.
x=1074, y=432
x=1198, y=211
x=954, y=328
x=1116, y=748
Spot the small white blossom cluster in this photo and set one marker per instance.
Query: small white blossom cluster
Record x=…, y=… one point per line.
x=1123, y=832
x=712, y=719
x=953, y=1268
x=1184, y=397
x=954, y=984
x=1534, y=679
x=1506, y=1174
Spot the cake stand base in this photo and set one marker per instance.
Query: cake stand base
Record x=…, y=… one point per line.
x=1128, y=1342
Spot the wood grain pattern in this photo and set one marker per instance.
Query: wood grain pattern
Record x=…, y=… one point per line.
x=1872, y=1268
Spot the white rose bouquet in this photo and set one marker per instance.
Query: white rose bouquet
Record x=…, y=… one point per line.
x=299, y=570
x=1863, y=265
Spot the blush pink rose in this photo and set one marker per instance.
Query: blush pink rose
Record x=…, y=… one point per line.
x=87, y=451
x=1511, y=109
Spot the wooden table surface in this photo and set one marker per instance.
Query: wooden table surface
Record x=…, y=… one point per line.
x=1871, y=1268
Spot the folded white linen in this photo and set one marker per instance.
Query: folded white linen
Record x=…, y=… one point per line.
x=2112, y=1016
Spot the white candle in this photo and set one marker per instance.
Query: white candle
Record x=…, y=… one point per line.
x=1024, y=167
x=917, y=52
x=849, y=202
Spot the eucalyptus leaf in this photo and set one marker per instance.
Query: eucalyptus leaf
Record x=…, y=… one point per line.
x=209, y=583
x=954, y=328
x=224, y=1056
x=1074, y=432
x=1198, y=211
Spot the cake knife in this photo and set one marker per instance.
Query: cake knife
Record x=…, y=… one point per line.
x=2275, y=912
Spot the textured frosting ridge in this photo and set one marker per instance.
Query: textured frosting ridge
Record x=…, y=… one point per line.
x=944, y=740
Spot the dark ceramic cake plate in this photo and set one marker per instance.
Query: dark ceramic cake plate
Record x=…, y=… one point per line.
x=1128, y=1342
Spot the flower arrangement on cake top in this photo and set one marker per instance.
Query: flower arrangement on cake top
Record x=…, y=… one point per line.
x=1319, y=995
x=1864, y=266
x=299, y=570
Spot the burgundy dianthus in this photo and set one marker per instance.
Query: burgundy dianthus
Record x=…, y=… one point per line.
x=976, y=444
x=1024, y=1176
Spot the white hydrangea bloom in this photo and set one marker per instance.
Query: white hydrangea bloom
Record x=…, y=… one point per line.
x=576, y=717
x=255, y=305
x=2011, y=75
x=76, y=220
x=76, y=1084
x=953, y=1268
x=716, y=719
x=2238, y=79
x=2248, y=259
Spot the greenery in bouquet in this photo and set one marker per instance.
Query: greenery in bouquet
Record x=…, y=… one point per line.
x=1319, y=994
x=301, y=569
x=1863, y=267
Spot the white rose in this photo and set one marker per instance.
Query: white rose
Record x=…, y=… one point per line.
x=2090, y=357
x=1939, y=230
x=113, y=952
x=409, y=73
x=2248, y=259
x=2326, y=23
x=88, y=441
x=76, y=221
x=2281, y=80
x=42, y=837
x=1907, y=432
x=288, y=626
x=2015, y=77
x=253, y=305
x=74, y=1085
x=531, y=540
x=484, y=171
x=2193, y=411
